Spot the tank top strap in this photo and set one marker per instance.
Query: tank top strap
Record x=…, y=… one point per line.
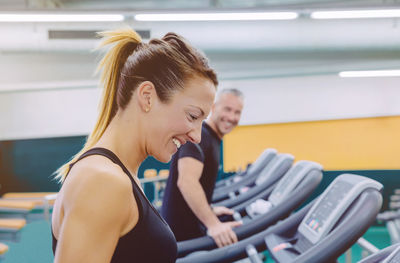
x=106, y=153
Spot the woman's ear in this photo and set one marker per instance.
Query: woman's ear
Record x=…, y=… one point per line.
x=146, y=94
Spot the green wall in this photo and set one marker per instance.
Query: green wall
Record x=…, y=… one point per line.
x=27, y=166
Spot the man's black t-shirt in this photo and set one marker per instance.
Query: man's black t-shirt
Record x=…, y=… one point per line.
x=175, y=210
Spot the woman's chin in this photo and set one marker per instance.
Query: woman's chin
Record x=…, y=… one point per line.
x=165, y=158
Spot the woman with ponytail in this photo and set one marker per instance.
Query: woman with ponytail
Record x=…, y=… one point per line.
x=155, y=97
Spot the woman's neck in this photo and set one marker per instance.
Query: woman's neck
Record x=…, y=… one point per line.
x=127, y=145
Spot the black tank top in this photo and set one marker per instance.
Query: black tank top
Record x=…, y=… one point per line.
x=151, y=239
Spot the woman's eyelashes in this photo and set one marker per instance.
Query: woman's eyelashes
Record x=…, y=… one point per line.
x=193, y=117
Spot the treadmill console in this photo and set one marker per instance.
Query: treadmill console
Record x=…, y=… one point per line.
x=266, y=156
x=275, y=165
x=291, y=180
x=394, y=257
x=333, y=202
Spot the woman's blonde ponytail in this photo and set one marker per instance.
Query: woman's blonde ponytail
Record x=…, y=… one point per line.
x=125, y=42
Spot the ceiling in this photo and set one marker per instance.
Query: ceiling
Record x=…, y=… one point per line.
x=241, y=49
x=129, y=5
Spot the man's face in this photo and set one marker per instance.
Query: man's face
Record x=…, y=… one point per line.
x=226, y=113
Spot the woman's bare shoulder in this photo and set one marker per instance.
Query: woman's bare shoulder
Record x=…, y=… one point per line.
x=95, y=205
x=95, y=179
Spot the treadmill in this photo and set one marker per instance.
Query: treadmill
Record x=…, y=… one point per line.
x=390, y=254
x=265, y=157
x=287, y=195
x=319, y=232
x=238, y=193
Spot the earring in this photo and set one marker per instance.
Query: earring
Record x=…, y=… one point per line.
x=147, y=110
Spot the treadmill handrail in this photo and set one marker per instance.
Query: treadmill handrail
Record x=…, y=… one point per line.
x=272, y=179
x=298, y=195
x=367, y=205
x=238, y=250
x=222, y=192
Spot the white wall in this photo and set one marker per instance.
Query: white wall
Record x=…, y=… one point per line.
x=51, y=113
x=47, y=94
x=40, y=67
x=311, y=98
x=66, y=112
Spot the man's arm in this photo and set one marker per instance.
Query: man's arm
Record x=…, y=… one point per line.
x=190, y=170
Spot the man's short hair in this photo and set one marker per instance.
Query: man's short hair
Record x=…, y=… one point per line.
x=232, y=91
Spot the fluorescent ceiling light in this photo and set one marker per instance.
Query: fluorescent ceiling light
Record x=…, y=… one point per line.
x=356, y=14
x=61, y=17
x=370, y=73
x=217, y=16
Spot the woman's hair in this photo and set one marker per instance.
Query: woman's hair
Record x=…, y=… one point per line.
x=166, y=62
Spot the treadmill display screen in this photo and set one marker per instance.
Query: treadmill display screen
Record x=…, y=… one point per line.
x=318, y=218
x=283, y=184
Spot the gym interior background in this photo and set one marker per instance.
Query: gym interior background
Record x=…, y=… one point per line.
x=296, y=101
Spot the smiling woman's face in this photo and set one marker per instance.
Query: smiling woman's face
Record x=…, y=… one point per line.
x=180, y=119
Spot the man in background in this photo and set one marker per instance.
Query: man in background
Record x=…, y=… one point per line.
x=193, y=172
